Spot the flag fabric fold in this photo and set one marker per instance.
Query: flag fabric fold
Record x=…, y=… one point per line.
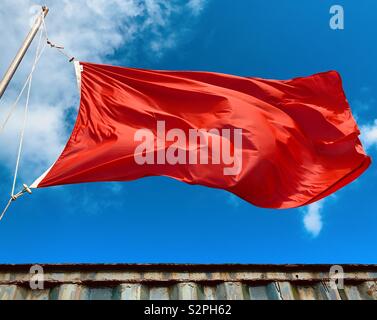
x=274, y=143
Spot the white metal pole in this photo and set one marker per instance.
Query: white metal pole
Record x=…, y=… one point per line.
x=21, y=53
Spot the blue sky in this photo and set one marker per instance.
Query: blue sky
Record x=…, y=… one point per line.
x=162, y=220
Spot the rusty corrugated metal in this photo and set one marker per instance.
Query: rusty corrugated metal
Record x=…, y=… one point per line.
x=188, y=282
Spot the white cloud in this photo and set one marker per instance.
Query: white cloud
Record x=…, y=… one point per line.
x=369, y=135
x=92, y=30
x=196, y=6
x=313, y=218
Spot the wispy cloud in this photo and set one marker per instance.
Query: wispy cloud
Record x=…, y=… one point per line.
x=196, y=6
x=369, y=135
x=92, y=30
x=365, y=106
x=313, y=218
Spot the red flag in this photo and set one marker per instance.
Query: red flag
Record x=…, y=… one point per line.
x=276, y=144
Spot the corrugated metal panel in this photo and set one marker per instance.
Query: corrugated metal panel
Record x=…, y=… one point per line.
x=188, y=282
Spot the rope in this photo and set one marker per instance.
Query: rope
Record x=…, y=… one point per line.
x=14, y=106
x=6, y=209
x=27, y=84
x=48, y=42
x=55, y=46
x=13, y=196
x=25, y=117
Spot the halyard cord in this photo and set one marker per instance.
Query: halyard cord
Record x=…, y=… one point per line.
x=54, y=46
x=28, y=79
x=27, y=84
x=6, y=209
x=25, y=118
x=14, y=106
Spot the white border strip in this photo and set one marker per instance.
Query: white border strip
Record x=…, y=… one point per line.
x=36, y=183
x=78, y=69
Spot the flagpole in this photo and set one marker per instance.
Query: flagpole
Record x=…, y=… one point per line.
x=21, y=52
